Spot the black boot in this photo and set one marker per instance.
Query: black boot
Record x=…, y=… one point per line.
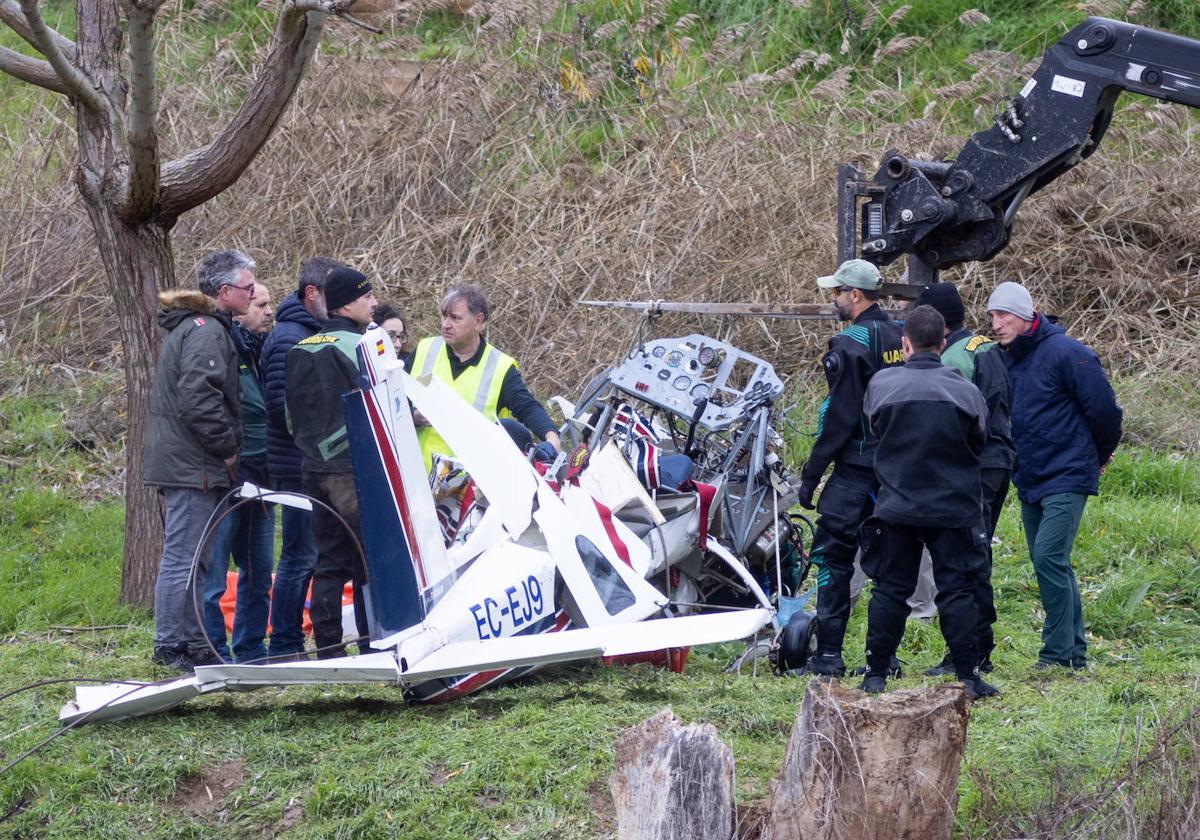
x=895, y=669
x=825, y=665
x=977, y=688
x=874, y=683
x=946, y=666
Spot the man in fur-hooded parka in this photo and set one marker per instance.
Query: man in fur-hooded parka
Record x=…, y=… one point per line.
x=192, y=442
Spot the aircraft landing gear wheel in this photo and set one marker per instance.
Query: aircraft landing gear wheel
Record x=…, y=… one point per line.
x=797, y=642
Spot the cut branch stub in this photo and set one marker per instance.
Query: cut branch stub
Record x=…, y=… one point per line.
x=860, y=767
x=672, y=782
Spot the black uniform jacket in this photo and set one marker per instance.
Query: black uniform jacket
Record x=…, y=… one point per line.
x=932, y=426
x=872, y=342
x=319, y=371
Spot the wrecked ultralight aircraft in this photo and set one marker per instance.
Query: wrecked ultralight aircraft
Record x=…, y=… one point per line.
x=665, y=528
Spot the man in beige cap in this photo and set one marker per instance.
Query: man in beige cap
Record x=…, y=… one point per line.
x=870, y=343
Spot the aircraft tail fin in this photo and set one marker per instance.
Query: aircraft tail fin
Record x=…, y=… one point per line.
x=401, y=538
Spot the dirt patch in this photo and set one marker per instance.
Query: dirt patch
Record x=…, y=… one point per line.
x=604, y=812
x=205, y=794
x=293, y=812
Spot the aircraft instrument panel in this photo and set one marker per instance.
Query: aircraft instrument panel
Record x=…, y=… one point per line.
x=677, y=374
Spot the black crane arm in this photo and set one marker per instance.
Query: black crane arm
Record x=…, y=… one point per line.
x=942, y=213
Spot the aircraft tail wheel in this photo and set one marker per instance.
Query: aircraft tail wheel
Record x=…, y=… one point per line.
x=797, y=641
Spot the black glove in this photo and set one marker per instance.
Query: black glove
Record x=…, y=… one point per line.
x=807, y=488
x=545, y=452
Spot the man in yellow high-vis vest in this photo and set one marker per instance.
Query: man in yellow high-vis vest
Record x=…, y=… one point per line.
x=482, y=375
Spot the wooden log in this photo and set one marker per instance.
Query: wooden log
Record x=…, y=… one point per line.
x=860, y=767
x=672, y=782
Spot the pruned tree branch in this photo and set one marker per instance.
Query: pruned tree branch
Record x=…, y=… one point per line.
x=31, y=70
x=10, y=13
x=205, y=172
x=141, y=187
x=76, y=83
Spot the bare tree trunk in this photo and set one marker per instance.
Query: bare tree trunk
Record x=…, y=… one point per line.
x=133, y=199
x=138, y=264
x=672, y=782
x=860, y=767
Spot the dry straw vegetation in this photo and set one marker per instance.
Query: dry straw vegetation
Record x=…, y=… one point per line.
x=554, y=152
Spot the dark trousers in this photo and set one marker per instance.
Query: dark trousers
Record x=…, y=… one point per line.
x=338, y=561
x=1050, y=528
x=994, y=483
x=845, y=503
x=892, y=559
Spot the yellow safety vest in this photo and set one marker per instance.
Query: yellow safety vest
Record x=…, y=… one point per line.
x=478, y=385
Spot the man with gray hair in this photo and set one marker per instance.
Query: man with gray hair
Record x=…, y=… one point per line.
x=1066, y=424
x=193, y=438
x=481, y=374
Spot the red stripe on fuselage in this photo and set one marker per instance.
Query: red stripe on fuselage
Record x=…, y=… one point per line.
x=606, y=520
x=392, y=469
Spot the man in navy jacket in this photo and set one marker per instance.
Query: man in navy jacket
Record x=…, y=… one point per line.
x=1066, y=425
x=300, y=315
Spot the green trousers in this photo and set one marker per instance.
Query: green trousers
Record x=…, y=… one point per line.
x=1050, y=527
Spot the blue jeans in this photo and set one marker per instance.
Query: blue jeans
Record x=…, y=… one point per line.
x=248, y=534
x=186, y=513
x=1050, y=527
x=297, y=558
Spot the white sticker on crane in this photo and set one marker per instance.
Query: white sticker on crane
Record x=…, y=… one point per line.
x=1064, y=84
x=1029, y=86
x=1135, y=71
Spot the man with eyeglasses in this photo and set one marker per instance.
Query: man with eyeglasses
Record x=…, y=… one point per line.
x=193, y=439
x=871, y=343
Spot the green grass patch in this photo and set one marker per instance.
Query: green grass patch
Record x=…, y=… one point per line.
x=531, y=760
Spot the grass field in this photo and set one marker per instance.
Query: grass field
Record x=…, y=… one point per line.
x=531, y=760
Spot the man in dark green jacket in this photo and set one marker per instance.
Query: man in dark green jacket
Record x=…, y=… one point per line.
x=193, y=438
x=320, y=369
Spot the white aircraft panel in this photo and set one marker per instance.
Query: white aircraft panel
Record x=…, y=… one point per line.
x=370, y=667
x=611, y=640
x=561, y=530
x=498, y=468
x=120, y=700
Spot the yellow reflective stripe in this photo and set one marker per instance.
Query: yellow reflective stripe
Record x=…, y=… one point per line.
x=491, y=360
x=432, y=348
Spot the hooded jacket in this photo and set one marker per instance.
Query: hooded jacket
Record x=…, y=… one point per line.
x=195, y=402
x=1065, y=418
x=293, y=323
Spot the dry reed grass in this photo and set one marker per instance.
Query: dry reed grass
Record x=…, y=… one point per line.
x=474, y=173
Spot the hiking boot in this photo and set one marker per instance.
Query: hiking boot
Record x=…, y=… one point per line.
x=825, y=665
x=895, y=669
x=874, y=683
x=985, y=665
x=203, y=655
x=943, y=668
x=977, y=688
x=172, y=658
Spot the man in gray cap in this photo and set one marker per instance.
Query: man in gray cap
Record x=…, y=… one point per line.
x=870, y=343
x=1066, y=424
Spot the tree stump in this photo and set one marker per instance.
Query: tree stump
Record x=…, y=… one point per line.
x=672, y=782
x=860, y=767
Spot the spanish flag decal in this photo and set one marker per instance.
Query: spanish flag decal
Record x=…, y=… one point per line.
x=379, y=347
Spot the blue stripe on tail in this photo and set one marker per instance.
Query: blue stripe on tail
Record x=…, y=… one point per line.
x=393, y=596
